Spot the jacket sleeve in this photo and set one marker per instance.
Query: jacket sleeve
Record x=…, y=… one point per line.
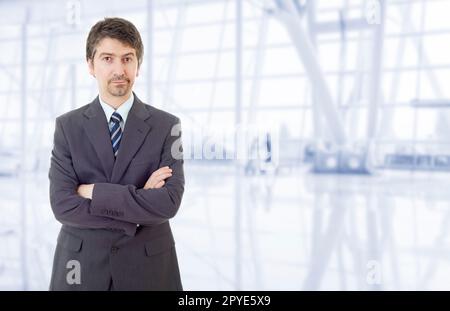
x=150, y=206
x=68, y=207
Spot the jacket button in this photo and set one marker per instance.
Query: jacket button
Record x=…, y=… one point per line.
x=114, y=249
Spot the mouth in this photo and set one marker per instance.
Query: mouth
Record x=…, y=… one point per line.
x=119, y=82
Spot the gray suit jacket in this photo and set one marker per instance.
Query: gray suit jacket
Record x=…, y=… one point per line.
x=100, y=237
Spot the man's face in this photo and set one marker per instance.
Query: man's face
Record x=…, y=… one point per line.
x=115, y=66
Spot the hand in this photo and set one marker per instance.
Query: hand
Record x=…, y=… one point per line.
x=156, y=180
x=85, y=191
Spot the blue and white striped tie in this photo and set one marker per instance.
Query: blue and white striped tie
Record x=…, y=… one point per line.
x=116, y=131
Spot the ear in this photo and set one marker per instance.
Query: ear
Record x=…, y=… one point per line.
x=137, y=72
x=91, y=67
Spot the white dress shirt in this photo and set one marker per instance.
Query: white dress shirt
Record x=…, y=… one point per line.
x=123, y=110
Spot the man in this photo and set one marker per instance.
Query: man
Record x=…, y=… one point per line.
x=116, y=177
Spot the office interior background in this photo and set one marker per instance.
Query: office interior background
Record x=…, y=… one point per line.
x=345, y=186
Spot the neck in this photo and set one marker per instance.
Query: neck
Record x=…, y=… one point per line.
x=115, y=101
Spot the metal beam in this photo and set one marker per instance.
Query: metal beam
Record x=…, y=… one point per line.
x=312, y=67
x=23, y=156
x=375, y=77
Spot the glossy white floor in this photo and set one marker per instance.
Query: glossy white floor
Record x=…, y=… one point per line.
x=292, y=231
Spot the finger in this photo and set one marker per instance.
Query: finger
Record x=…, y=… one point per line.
x=163, y=168
x=157, y=173
x=147, y=185
x=163, y=176
x=151, y=185
x=162, y=171
x=160, y=184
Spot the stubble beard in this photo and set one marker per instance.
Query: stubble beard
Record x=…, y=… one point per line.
x=118, y=90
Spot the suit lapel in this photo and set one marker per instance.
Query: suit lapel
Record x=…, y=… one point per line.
x=96, y=128
x=136, y=129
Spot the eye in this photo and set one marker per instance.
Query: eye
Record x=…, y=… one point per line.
x=127, y=59
x=107, y=58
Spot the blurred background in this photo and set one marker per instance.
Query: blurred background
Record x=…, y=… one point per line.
x=345, y=185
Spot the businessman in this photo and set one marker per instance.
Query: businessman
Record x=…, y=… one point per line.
x=116, y=177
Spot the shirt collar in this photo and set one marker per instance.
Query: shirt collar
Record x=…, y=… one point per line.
x=122, y=110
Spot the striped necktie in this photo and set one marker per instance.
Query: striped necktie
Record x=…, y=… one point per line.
x=115, y=131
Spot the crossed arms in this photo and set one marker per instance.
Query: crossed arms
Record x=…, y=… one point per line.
x=114, y=206
x=155, y=181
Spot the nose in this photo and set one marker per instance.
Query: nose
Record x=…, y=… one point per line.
x=118, y=69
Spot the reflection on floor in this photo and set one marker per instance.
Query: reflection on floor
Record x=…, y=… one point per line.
x=289, y=231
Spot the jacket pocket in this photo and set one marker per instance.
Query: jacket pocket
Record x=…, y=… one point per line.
x=69, y=241
x=159, y=245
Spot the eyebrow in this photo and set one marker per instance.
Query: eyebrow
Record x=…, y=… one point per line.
x=112, y=54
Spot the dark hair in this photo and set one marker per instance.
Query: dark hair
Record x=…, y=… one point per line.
x=115, y=28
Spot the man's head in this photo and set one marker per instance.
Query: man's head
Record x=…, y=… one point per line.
x=114, y=53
